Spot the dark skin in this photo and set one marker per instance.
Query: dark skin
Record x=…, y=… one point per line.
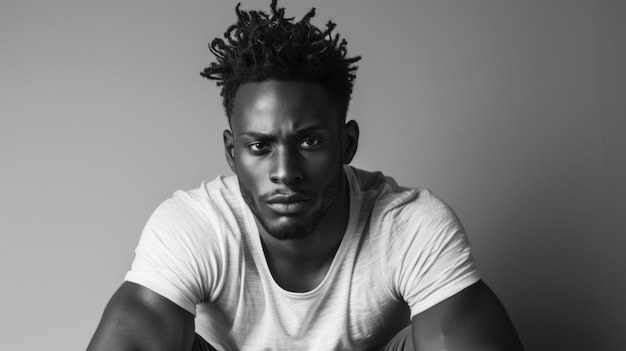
x=286, y=140
x=136, y=318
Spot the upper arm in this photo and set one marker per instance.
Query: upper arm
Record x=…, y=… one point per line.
x=473, y=319
x=136, y=318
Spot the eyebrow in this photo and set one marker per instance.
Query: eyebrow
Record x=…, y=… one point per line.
x=268, y=137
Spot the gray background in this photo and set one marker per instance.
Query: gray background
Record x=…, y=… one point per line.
x=512, y=111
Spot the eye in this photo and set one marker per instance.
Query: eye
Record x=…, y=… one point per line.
x=309, y=143
x=258, y=147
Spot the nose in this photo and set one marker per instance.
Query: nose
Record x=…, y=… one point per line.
x=286, y=168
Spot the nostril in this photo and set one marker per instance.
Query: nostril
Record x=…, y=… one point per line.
x=286, y=177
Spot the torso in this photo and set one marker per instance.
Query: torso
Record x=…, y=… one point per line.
x=343, y=300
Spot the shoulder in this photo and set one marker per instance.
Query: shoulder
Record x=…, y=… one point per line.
x=184, y=247
x=422, y=222
x=401, y=217
x=196, y=214
x=370, y=182
x=392, y=202
x=209, y=199
x=209, y=193
x=423, y=208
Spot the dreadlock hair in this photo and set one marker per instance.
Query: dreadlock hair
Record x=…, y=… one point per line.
x=261, y=47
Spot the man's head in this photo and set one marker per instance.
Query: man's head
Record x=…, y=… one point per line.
x=261, y=46
x=288, y=151
x=286, y=88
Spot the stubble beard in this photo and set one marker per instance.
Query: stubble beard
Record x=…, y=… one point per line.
x=296, y=231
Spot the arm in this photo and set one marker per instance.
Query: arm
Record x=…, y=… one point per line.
x=473, y=319
x=136, y=318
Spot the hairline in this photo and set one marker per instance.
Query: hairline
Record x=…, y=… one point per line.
x=342, y=116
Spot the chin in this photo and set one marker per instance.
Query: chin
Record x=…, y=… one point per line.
x=288, y=231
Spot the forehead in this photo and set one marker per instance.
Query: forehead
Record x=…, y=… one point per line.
x=270, y=105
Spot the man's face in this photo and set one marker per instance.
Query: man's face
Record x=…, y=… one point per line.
x=286, y=146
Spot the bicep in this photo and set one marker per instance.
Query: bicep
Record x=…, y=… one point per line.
x=473, y=319
x=136, y=318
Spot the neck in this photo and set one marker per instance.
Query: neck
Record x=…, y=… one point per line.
x=314, y=252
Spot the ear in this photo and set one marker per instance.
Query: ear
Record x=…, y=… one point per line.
x=350, y=141
x=229, y=149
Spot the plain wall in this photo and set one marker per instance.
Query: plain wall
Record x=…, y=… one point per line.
x=511, y=111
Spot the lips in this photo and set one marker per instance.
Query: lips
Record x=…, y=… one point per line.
x=288, y=204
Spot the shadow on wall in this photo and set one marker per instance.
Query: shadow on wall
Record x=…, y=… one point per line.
x=562, y=296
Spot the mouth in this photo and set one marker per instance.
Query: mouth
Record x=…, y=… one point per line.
x=288, y=204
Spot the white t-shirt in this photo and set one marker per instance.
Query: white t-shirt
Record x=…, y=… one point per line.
x=403, y=251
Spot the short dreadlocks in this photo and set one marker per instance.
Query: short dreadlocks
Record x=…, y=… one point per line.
x=259, y=47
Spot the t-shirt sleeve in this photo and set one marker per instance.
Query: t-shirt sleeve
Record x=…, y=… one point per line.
x=432, y=259
x=177, y=254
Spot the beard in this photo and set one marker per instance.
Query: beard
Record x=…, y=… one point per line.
x=292, y=231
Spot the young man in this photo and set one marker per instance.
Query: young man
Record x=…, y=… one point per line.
x=299, y=251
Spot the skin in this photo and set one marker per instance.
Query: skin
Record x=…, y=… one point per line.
x=473, y=319
x=137, y=318
x=287, y=138
x=285, y=141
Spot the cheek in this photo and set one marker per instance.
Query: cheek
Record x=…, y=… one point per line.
x=248, y=171
x=323, y=166
x=321, y=163
x=328, y=158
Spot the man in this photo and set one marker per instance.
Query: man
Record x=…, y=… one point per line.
x=299, y=251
